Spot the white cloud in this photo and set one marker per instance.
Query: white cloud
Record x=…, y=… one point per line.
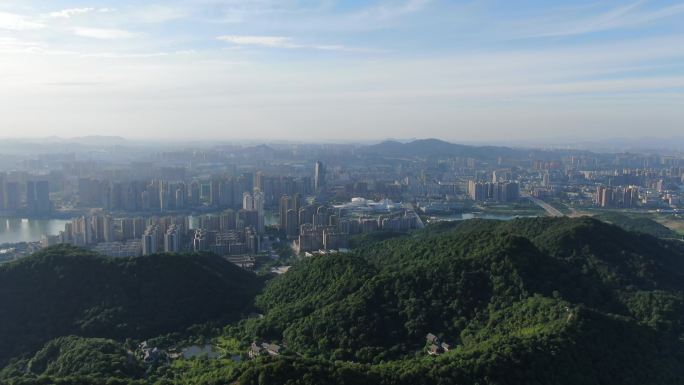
x=158, y=14
x=281, y=42
x=266, y=41
x=103, y=33
x=388, y=11
x=14, y=22
x=67, y=13
x=630, y=15
x=71, y=12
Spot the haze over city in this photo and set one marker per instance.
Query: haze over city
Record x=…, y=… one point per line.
x=333, y=70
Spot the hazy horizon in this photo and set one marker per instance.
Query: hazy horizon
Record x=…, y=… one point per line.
x=462, y=71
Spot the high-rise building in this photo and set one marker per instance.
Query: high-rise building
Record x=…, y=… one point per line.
x=3, y=178
x=81, y=231
x=172, y=240
x=297, y=202
x=247, y=201
x=12, y=196
x=42, y=197
x=306, y=214
x=255, y=202
x=108, y=229
x=604, y=196
x=319, y=176
x=163, y=196
x=227, y=220
x=285, y=205
x=139, y=227
x=292, y=223
x=258, y=202
x=630, y=196
x=149, y=240
x=499, y=191
x=215, y=193
x=180, y=197
x=127, y=228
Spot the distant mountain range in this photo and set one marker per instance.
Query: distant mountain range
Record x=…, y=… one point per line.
x=436, y=148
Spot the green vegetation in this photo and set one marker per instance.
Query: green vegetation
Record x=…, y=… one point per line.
x=526, y=301
x=523, y=207
x=640, y=224
x=529, y=301
x=81, y=357
x=64, y=291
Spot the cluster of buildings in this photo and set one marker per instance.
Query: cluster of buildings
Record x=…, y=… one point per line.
x=24, y=194
x=231, y=190
x=159, y=195
x=493, y=191
x=626, y=197
x=123, y=237
x=328, y=227
x=435, y=346
x=263, y=349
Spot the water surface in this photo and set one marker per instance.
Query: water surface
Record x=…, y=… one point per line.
x=13, y=230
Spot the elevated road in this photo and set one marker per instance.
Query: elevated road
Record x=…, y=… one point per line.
x=411, y=208
x=550, y=210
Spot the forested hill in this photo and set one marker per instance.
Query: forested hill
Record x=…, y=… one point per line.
x=530, y=301
x=64, y=290
x=544, y=301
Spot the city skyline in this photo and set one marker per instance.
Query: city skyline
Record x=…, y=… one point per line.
x=330, y=70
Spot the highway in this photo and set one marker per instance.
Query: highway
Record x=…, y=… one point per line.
x=550, y=210
x=409, y=206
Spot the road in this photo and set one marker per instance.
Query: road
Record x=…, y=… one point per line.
x=419, y=222
x=550, y=210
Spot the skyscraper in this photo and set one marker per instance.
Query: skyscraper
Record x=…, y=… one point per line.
x=149, y=240
x=38, y=197
x=3, y=177
x=292, y=223
x=285, y=205
x=254, y=203
x=247, y=201
x=108, y=229
x=258, y=204
x=319, y=176
x=12, y=198
x=172, y=239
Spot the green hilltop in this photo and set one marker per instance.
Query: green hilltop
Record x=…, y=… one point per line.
x=528, y=301
x=65, y=290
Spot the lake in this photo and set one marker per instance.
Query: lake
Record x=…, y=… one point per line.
x=13, y=230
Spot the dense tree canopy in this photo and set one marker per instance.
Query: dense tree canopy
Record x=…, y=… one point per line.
x=65, y=290
x=529, y=301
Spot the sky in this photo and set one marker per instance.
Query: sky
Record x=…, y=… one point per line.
x=333, y=70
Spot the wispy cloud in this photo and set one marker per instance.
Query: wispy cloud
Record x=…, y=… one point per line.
x=11, y=45
x=14, y=22
x=277, y=42
x=265, y=41
x=627, y=16
x=386, y=11
x=71, y=12
x=158, y=14
x=103, y=33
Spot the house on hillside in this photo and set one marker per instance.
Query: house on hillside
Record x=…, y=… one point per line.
x=434, y=350
x=272, y=349
x=436, y=347
x=263, y=349
x=254, y=351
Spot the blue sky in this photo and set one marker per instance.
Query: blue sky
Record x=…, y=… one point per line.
x=342, y=70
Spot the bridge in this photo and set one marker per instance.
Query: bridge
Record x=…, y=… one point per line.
x=550, y=210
